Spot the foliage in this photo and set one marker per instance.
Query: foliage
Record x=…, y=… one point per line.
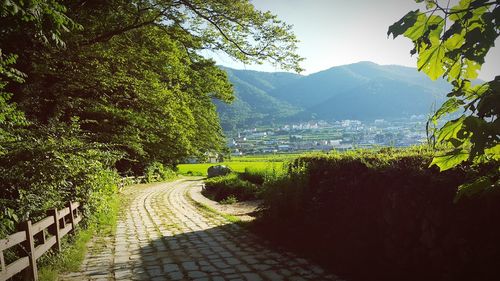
x=386, y=211
x=221, y=188
x=231, y=199
x=452, y=42
x=255, y=176
x=93, y=88
x=50, y=166
x=157, y=172
x=135, y=77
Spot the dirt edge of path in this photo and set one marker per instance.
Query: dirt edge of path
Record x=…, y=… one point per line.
x=245, y=211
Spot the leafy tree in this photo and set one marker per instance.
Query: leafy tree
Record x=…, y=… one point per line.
x=135, y=76
x=47, y=21
x=452, y=42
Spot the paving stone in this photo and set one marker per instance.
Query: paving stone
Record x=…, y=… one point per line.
x=261, y=267
x=175, y=275
x=242, y=268
x=220, y=264
x=273, y=275
x=190, y=265
x=232, y=261
x=170, y=267
x=252, y=277
x=208, y=268
x=196, y=274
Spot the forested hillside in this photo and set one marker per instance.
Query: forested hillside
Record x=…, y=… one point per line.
x=363, y=90
x=253, y=103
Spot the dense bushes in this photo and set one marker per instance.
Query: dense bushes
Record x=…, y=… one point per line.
x=387, y=213
x=256, y=176
x=157, y=172
x=47, y=168
x=230, y=186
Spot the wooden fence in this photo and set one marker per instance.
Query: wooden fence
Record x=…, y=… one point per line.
x=36, y=239
x=130, y=180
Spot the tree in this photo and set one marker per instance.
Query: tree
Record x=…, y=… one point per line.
x=47, y=21
x=135, y=77
x=452, y=42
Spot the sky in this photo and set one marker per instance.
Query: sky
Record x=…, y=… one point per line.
x=338, y=32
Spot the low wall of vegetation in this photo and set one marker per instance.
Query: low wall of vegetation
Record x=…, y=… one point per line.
x=385, y=216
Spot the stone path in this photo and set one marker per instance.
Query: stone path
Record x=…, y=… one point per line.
x=162, y=236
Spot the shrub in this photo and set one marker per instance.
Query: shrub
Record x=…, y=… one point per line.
x=256, y=176
x=385, y=211
x=157, y=172
x=231, y=199
x=220, y=188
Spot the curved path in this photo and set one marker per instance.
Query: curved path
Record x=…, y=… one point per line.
x=163, y=236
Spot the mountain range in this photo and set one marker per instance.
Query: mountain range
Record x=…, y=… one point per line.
x=362, y=91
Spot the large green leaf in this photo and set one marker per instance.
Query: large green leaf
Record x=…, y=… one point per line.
x=450, y=106
x=403, y=24
x=450, y=129
x=450, y=159
x=430, y=60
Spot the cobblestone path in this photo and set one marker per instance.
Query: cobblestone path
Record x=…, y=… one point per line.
x=163, y=236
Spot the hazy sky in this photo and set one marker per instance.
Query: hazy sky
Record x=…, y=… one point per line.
x=337, y=32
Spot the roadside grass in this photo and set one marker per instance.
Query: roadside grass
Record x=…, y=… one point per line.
x=74, y=247
x=211, y=212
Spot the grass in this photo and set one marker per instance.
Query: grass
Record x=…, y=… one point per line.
x=75, y=247
x=241, y=163
x=211, y=212
x=231, y=199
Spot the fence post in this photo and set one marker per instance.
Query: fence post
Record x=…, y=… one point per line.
x=29, y=245
x=54, y=229
x=71, y=217
x=2, y=261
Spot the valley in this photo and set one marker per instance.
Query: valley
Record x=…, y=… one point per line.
x=325, y=136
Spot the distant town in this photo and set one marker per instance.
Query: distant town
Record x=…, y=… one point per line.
x=324, y=136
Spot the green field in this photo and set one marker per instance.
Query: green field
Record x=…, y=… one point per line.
x=238, y=166
x=239, y=163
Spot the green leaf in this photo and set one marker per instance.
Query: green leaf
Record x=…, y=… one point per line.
x=450, y=159
x=454, y=42
x=450, y=106
x=423, y=24
x=430, y=60
x=493, y=152
x=403, y=24
x=472, y=68
x=473, y=188
x=450, y=129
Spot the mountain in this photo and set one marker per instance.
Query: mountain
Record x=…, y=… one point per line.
x=363, y=91
x=253, y=104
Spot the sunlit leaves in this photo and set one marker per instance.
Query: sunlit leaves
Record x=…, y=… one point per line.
x=456, y=51
x=450, y=159
x=403, y=24
x=430, y=60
